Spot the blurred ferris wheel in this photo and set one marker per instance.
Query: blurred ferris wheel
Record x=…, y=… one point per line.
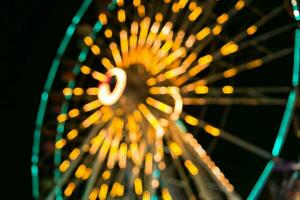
x=144, y=95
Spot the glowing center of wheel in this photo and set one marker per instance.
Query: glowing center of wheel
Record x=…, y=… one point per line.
x=105, y=95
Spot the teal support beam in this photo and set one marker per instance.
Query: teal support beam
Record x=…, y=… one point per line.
x=44, y=97
x=261, y=181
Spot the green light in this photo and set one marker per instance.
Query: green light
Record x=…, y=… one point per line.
x=287, y=116
x=296, y=58
x=44, y=97
x=261, y=181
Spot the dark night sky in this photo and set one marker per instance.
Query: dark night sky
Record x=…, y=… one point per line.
x=32, y=32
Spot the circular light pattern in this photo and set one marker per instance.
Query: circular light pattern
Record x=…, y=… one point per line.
x=134, y=93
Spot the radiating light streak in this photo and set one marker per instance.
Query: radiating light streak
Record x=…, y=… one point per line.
x=80, y=171
x=166, y=194
x=148, y=163
x=73, y=113
x=106, y=63
x=95, y=50
x=191, y=120
x=121, y=15
x=159, y=105
x=92, y=105
x=229, y=48
x=88, y=41
x=108, y=33
x=64, y=166
x=72, y=134
x=191, y=167
x=203, y=33
x=195, y=13
x=102, y=18
x=60, y=143
x=106, y=175
x=94, y=194
x=175, y=149
x=227, y=89
x=116, y=54
x=212, y=130
x=222, y=18
x=62, y=118
x=97, y=141
x=74, y=154
x=92, y=91
x=103, y=191
x=91, y=119
x=77, y=91
x=69, y=189
x=122, y=155
x=138, y=187
x=151, y=119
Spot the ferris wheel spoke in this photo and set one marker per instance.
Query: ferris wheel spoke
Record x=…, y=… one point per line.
x=234, y=101
x=234, y=71
x=73, y=164
x=235, y=140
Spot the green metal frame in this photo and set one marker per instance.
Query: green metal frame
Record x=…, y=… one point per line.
x=287, y=117
x=81, y=58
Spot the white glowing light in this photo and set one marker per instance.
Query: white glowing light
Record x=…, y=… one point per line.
x=105, y=95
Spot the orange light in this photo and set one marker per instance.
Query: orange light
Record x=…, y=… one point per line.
x=74, y=154
x=108, y=33
x=67, y=91
x=254, y=63
x=85, y=69
x=175, y=149
x=191, y=167
x=229, y=48
x=203, y=33
x=103, y=191
x=96, y=50
x=230, y=73
x=62, y=118
x=102, y=18
x=239, y=5
x=158, y=17
x=222, y=18
x=227, y=89
x=78, y=91
x=88, y=41
x=201, y=89
x=146, y=195
x=195, y=13
x=60, y=143
x=73, y=113
x=93, y=195
x=106, y=175
x=69, y=189
x=251, y=30
x=212, y=130
x=121, y=15
x=138, y=187
x=64, y=166
x=72, y=134
x=80, y=171
x=217, y=29
x=191, y=120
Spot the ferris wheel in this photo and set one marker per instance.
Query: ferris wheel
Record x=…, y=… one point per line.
x=151, y=99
